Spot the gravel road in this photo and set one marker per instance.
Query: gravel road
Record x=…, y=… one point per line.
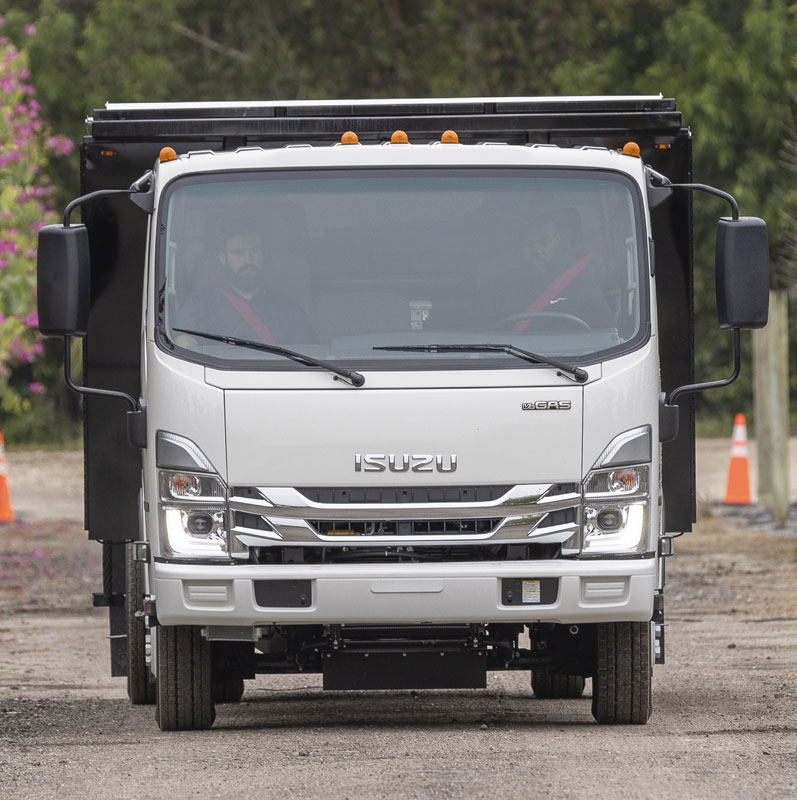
x=724, y=722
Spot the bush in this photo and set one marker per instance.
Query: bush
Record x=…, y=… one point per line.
x=25, y=148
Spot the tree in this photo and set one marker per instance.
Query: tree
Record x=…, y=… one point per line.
x=25, y=147
x=731, y=66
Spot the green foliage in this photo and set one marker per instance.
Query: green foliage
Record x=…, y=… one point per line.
x=731, y=67
x=730, y=64
x=25, y=146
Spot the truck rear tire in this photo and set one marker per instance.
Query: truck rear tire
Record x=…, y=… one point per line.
x=140, y=680
x=228, y=690
x=548, y=685
x=185, y=694
x=622, y=687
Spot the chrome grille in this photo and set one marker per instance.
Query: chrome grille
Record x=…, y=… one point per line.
x=271, y=516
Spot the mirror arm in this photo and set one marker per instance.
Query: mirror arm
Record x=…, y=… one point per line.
x=698, y=187
x=136, y=418
x=135, y=188
x=699, y=387
x=79, y=201
x=87, y=389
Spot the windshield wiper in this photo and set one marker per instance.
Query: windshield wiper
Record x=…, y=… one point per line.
x=355, y=378
x=578, y=374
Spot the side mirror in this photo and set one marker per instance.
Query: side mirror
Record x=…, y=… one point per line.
x=63, y=268
x=742, y=272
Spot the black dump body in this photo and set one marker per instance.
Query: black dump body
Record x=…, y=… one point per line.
x=124, y=142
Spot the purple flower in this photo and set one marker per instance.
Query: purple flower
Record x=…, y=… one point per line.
x=36, y=387
x=30, y=30
x=32, y=320
x=60, y=145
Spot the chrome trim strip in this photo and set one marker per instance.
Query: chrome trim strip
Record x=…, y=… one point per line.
x=517, y=502
x=554, y=534
x=511, y=530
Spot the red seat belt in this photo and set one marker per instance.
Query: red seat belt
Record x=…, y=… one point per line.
x=250, y=317
x=559, y=283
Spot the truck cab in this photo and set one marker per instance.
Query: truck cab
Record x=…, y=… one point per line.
x=402, y=376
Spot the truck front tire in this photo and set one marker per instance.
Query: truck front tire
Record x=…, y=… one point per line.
x=185, y=693
x=622, y=687
x=140, y=681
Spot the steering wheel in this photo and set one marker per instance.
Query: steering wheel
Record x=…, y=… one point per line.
x=558, y=320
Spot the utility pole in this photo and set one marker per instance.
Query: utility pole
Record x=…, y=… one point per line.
x=771, y=403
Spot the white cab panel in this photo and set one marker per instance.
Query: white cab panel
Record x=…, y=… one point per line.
x=290, y=438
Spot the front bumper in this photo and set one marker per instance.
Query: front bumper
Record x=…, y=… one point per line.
x=619, y=590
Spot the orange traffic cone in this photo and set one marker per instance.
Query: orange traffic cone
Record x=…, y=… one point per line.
x=6, y=512
x=737, y=489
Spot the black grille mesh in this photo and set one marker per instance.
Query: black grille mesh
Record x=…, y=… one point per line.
x=414, y=527
x=404, y=494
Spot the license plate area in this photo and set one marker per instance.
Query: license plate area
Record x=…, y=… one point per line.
x=397, y=670
x=283, y=593
x=529, y=591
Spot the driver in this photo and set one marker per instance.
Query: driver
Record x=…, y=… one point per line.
x=243, y=298
x=548, y=280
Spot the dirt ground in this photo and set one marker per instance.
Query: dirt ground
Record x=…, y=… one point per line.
x=724, y=722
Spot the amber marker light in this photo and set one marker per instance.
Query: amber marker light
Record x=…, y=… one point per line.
x=107, y=153
x=399, y=137
x=663, y=146
x=350, y=137
x=623, y=480
x=167, y=154
x=449, y=137
x=631, y=149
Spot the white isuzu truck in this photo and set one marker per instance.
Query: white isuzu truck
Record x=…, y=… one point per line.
x=403, y=381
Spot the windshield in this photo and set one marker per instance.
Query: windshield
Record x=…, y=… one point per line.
x=333, y=264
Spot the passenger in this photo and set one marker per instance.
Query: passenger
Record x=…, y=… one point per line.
x=547, y=284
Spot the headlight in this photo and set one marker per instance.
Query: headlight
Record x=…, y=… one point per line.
x=615, y=512
x=615, y=528
x=193, y=514
x=193, y=500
